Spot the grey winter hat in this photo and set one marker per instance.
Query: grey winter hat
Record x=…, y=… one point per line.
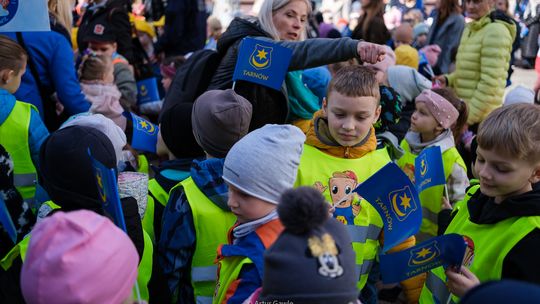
x=264, y=163
x=219, y=119
x=407, y=82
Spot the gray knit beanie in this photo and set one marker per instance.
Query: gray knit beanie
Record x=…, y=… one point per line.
x=264, y=163
x=407, y=82
x=219, y=119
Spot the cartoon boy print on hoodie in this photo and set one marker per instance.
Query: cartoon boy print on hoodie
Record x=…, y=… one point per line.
x=341, y=185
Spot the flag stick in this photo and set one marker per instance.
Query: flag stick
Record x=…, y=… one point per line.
x=446, y=193
x=138, y=292
x=233, y=85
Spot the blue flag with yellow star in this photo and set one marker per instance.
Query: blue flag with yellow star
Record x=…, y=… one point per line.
x=144, y=134
x=262, y=62
x=7, y=223
x=445, y=250
x=147, y=91
x=429, y=170
x=394, y=196
x=108, y=191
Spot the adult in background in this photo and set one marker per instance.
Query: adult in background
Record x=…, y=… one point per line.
x=448, y=24
x=185, y=28
x=482, y=60
x=51, y=68
x=371, y=26
x=283, y=21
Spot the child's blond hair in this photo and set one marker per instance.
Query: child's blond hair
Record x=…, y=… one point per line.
x=355, y=81
x=513, y=130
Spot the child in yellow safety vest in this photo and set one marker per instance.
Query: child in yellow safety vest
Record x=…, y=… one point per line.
x=196, y=218
x=339, y=154
x=438, y=115
x=500, y=218
x=258, y=169
x=21, y=129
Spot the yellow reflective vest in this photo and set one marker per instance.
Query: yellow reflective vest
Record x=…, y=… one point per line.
x=339, y=176
x=492, y=242
x=430, y=198
x=14, y=137
x=162, y=197
x=211, y=225
x=144, y=269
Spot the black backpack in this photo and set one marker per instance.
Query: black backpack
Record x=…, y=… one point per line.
x=192, y=78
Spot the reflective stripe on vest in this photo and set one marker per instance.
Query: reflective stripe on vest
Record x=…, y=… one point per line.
x=211, y=226
x=162, y=197
x=14, y=137
x=492, y=242
x=431, y=197
x=319, y=167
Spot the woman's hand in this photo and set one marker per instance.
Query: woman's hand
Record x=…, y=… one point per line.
x=445, y=204
x=371, y=52
x=460, y=282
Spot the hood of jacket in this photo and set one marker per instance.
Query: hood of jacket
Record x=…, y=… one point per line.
x=494, y=16
x=171, y=172
x=484, y=210
x=208, y=176
x=445, y=140
x=319, y=137
x=239, y=28
x=105, y=99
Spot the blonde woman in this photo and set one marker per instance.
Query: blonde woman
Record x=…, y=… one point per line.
x=284, y=22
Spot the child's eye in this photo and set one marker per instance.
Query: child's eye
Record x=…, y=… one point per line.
x=340, y=115
x=502, y=170
x=479, y=160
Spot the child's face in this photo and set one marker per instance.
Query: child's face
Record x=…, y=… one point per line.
x=166, y=82
x=247, y=208
x=501, y=5
x=11, y=79
x=102, y=48
x=421, y=39
x=502, y=176
x=350, y=118
x=422, y=121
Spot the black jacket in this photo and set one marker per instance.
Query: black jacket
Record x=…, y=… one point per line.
x=521, y=262
x=269, y=106
x=115, y=14
x=185, y=28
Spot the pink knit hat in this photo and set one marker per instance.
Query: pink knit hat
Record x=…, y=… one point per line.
x=432, y=53
x=443, y=111
x=78, y=257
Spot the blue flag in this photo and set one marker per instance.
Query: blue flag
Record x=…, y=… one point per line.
x=262, y=62
x=108, y=191
x=144, y=134
x=7, y=223
x=428, y=169
x=24, y=16
x=445, y=250
x=394, y=196
x=147, y=91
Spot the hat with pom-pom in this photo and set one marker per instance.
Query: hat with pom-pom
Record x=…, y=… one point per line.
x=312, y=261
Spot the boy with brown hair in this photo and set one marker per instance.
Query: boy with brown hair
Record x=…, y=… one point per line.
x=503, y=218
x=341, y=138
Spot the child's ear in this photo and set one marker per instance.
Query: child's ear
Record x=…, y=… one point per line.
x=439, y=129
x=377, y=113
x=535, y=176
x=325, y=107
x=6, y=75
